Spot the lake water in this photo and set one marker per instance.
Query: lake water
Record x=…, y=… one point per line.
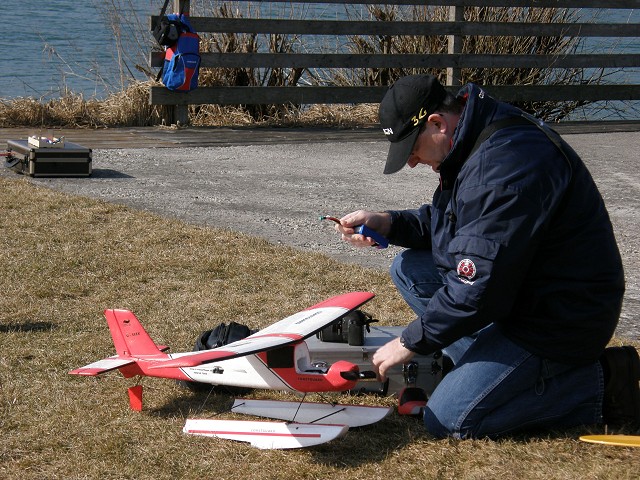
x=56, y=44
x=49, y=46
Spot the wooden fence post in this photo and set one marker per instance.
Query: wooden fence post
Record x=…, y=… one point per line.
x=180, y=113
x=456, y=14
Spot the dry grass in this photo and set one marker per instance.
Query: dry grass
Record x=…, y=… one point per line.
x=130, y=107
x=65, y=259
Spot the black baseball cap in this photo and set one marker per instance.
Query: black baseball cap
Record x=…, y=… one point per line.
x=404, y=108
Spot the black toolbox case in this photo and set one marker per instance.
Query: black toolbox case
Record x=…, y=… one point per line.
x=425, y=371
x=72, y=160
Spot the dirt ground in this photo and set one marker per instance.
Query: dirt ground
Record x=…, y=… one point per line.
x=277, y=189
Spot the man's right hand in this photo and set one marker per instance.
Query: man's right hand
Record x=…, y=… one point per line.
x=378, y=221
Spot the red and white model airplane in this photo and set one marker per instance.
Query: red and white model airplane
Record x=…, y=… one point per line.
x=275, y=358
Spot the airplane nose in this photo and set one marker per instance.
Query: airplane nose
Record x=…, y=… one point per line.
x=343, y=375
x=351, y=375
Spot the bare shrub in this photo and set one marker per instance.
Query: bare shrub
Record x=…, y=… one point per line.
x=248, y=43
x=558, y=46
x=412, y=44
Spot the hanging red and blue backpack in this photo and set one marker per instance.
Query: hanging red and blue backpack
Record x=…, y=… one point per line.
x=182, y=59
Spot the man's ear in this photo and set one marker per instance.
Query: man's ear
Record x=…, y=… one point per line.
x=439, y=121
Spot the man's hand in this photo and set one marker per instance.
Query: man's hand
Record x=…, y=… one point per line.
x=390, y=354
x=378, y=221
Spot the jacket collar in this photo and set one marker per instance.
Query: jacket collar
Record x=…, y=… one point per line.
x=479, y=111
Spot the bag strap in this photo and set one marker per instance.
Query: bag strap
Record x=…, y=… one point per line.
x=164, y=8
x=494, y=127
x=524, y=119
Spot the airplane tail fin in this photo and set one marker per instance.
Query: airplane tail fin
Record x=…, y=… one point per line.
x=129, y=337
x=130, y=341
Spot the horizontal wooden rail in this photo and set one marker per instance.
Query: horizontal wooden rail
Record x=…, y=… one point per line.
x=379, y=60
x=312, y=95
x=619, y=4
x=371, y=27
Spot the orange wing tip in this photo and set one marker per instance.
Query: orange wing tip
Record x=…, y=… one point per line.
x=349, y=300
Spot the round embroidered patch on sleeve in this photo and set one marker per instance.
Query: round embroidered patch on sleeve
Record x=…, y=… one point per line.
x=467, y=269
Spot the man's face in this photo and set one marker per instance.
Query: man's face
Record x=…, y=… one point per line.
x=433, y=143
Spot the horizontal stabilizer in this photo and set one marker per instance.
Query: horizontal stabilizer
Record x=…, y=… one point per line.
x=266, y=435
x=308, y=412
x=102, y=366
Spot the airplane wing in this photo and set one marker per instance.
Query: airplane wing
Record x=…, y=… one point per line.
x=266, y=435
x=315, y=318
x=292, y=329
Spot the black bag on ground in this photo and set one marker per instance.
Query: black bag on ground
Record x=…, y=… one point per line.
x=221, y=335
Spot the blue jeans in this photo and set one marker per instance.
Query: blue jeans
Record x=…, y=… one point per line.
x=496, y=386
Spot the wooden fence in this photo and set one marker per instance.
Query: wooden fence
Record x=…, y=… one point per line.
x=455, y=29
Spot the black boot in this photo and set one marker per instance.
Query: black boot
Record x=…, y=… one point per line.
x=621, y=391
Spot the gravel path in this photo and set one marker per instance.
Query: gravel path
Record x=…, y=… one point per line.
x=278, y=190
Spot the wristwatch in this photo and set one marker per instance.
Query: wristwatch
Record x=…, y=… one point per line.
x=403, y=342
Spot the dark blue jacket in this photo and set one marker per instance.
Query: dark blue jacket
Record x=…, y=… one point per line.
x=522, y=238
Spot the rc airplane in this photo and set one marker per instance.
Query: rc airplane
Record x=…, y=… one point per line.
x=275, y=357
